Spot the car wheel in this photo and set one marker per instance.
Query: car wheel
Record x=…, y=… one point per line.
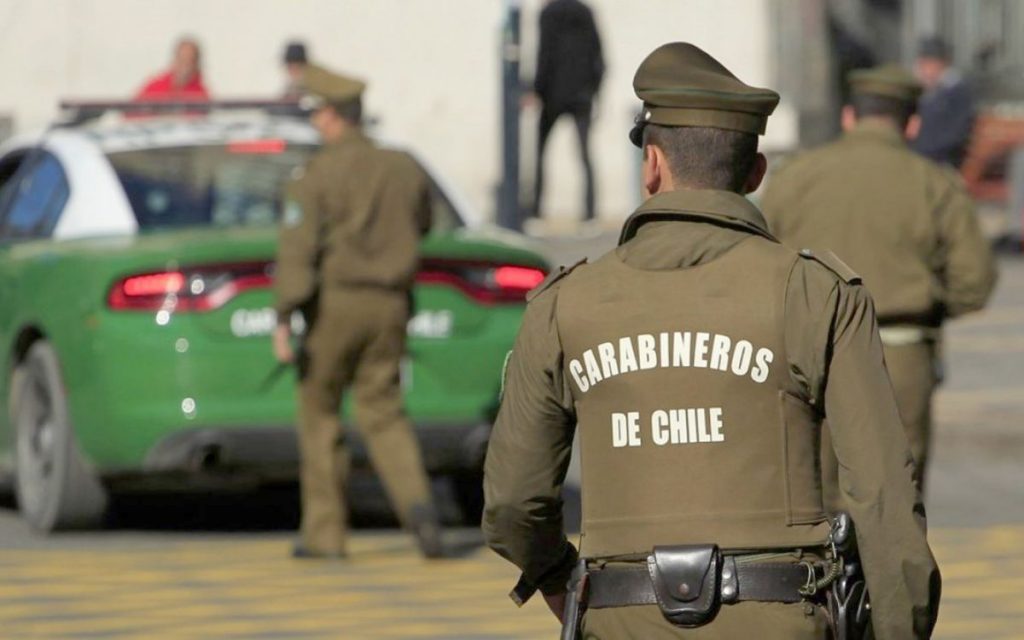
x=54, y=487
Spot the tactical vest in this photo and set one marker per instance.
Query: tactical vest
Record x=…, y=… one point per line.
x=691, y=427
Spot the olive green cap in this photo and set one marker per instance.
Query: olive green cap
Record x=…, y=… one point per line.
x=682, y=86
x=326, y=87
x=889, y=81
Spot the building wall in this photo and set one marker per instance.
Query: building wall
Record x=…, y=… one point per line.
x=433, y=68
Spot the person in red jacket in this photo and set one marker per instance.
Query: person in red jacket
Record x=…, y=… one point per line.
x=183, y=81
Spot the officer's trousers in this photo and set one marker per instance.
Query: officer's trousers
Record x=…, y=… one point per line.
x=356, y=342
x=912, y=369
x=760, y=620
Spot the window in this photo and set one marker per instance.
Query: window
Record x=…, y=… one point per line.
x=233, y=185
x=34, y=198
x=217, y=186
x=9, y=166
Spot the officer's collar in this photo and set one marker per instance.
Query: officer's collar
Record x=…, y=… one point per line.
x=883, y=131
x=703, y=205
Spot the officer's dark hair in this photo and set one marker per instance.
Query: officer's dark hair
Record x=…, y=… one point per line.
x=867, y=105
x=350, y=110
x=706, y=157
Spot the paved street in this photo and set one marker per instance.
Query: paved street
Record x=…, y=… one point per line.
x=219, y=568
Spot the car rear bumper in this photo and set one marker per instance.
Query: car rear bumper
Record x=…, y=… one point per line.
x=273, y=450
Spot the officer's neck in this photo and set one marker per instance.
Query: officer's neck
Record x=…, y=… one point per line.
x=337, y=131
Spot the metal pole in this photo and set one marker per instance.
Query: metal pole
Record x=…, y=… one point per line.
x=509, y=214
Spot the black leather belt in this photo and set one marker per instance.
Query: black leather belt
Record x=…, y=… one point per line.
x=623, y=586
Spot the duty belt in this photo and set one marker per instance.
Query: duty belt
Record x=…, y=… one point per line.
x=903, y=335
x=623, y=586
x=690, y=583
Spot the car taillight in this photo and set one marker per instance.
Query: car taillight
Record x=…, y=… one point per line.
x=257, y=147
x=521, y=278
x=484, y=282
x=201, y=288
x=153, y=284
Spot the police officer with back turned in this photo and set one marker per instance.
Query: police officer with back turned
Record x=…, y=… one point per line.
x=348, y=251
x=904, y=223
x=697, y=361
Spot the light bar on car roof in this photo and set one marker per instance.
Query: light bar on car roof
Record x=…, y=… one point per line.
x=81, y=110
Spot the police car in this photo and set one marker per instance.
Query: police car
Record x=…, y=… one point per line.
x=136, y=260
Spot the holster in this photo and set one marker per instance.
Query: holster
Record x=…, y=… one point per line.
x=687, y=582
x=575, y=603
x=848, y=602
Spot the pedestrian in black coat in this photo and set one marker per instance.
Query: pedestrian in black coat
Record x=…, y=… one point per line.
x=570, y=67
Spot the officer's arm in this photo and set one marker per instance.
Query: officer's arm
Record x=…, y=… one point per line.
x=298, y=248
x=424, y=205
x=875, y=467
x=970, y=268
x=528, y=457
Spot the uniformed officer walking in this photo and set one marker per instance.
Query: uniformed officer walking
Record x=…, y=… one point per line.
x=349, y=240
x=697, y=361
x=905, y=224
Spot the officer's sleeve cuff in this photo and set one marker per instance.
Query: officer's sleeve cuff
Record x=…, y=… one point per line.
x=553, y=582
x=522, y=592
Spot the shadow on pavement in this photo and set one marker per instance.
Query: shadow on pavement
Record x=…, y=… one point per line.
x=276, y=508
x=269, y=509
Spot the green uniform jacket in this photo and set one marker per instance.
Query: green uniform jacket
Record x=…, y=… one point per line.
x=834, y=355
x=353, y=217
x=906, y=225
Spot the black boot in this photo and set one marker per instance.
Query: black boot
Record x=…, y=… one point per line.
x=426, y=526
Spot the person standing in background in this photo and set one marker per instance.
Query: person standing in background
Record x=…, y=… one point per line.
x=348, y=253
x=183, y=81
x=946, y=107
x=906, y=225
x=295, y=63
x=570, y=67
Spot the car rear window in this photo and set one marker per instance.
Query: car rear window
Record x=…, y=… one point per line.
x=233, y=185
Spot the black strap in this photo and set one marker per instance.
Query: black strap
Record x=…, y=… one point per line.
x=763, y=581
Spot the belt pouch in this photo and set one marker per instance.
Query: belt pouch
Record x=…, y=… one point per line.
x=687, y=582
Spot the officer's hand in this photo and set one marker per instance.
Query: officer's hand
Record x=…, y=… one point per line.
x=283, y=350
x=557, y=604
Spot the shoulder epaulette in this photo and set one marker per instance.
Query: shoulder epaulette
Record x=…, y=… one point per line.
x=552, y=278
x=833, y=263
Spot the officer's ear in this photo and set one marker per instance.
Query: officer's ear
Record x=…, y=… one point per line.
x=848, y=118
x=913, y=127
x=654, y=170
x=756, y=174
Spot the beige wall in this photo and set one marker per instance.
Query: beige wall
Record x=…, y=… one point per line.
x=432, y=64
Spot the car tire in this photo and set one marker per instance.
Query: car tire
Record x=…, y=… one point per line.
x=54, y=487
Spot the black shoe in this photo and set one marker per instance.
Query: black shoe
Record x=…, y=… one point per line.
x=303, y=552
x=426, y=526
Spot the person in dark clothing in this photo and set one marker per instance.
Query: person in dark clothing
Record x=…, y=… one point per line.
x=569, y=71
x=295, y=61
x=946, y=107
